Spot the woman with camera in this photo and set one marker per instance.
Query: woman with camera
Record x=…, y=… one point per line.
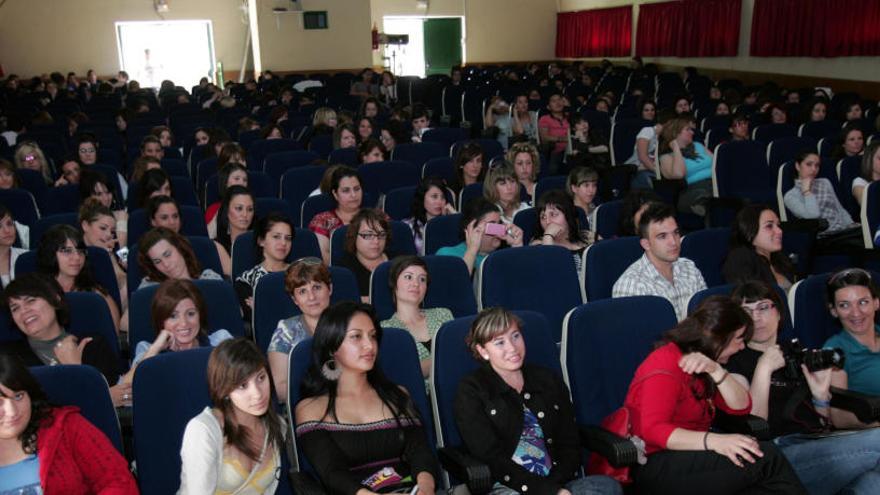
x=794, y=398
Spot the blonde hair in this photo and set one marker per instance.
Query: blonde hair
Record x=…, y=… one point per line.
x=31, y=147
x=322, y=115
x=490, y=323
x=529, y=148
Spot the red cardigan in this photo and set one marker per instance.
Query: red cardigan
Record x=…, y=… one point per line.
x=77, y=458
x=664, y=401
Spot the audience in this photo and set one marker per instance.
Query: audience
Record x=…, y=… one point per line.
x=558, y=225
x=273, y=240
x=235, y=216
x=429, y=201
x=164, y=254
x=232, y=174
x=366, y=246
x=527, y=164
x=477, y=242
x=502, y=188
x=581, y=186
x=683, y=158
x=345, y=185
x=756, y=249
x=468, y=164
x=9, y=252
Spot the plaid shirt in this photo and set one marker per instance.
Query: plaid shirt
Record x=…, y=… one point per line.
x=822, y=203
x=643, y=279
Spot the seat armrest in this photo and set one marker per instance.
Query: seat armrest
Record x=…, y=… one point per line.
x=746, y=424
x=865, y=407
x=464, y=467
x=617, y=450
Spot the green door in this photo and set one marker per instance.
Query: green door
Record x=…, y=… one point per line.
x=442, y=44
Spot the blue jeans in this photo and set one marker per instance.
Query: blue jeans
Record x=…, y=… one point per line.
x=643, y=180
x=587, y=485
x=846, y=462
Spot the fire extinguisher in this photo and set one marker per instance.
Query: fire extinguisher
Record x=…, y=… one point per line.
x=375, y=34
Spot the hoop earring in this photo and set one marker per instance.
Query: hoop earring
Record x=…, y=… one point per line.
x=329, y=370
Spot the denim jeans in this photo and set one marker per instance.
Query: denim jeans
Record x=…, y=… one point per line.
x=587, y=485
x=846, y=462
x=643, y=180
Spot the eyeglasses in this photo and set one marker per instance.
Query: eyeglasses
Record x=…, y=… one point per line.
x=759, y=309
x=372, y=236
x=309, y=261
x=70, y=251
x=87, y=150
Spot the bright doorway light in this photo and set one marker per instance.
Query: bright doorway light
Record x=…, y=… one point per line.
x=409, y=59
x=180, y=51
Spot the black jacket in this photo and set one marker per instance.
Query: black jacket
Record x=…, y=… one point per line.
x=489, y=415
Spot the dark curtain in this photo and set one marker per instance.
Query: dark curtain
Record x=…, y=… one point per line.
x=594, y=33
x=815, y=28
x=689, y=28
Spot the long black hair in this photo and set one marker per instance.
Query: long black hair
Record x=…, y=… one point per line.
x=47, y=255
x=745, y=229
x=562, y=202
x=262, y=228
x=223, y=236
x=419, y=214
x=15, y=376
x=329, y=334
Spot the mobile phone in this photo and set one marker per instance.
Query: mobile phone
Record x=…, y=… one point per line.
x=122, y=253
x=496, y=229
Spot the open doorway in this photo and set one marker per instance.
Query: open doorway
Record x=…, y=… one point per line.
x=436, y=44
x=180, y=51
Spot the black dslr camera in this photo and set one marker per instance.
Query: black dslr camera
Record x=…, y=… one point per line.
x=813, y=359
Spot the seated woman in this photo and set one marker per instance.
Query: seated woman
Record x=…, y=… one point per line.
x=62, y=255
x=273, y=238
x=366, y=241
x=164, y=254
x=234, y=446
x=429, y=201
x=756, y=249
x=682, y=158
x=817, y=109
x=850, y=461
x=777, y=114
x=476, y=243
x=672, y=401
x=236, y=215
x=8, y=252
x=141, y=165
x=154, y=182
x=365, y=128
x=558, y=226
x=518, y=418
x=553, y=128
x=408, y=280
x=345, y=136
x=232, y=174
x=813, y=197
x=97, y=225
x=94, y=185
x=851, y=143
x=371, y=150
x=180, y=318
x=345, y=185
x=645, y=150
x=360, y=431
x=50, y=449
x=307, y=282
x=854, y=300
x=392, y=133
x=163, y=211
x=497, y=119
x=28, y=155
x=581, y=186
x=523, y=125
x=502, y=188
x=8, y=179
x=527, y=164
x=39, y=309
x=870, y=170
x=589, y=147
x=468, y=164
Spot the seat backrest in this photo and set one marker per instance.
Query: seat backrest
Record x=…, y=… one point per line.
x=297, y=184
x=192, y=223
x=607, y=219
x=707, y=248
x=605, y=262
x=452, y=361
x=770, y=132
x=468, y=193
x=277, y=164
x=442, y=231
x=534, y=278
x=554, y=182
x=450, y=287
x=84, y=387
x=43, y=224
x=171, y=388
x=344, y=156
x=526, y=220
x=321, y=144
x=820, y=129
x=224, y=311
x=440, y=167
x=445, y=136
x=33, y=181
x=60, y=200
x=244, y=250
x=264, y=206
x=623, y=138
x=313, y=205
x=740, y=170
x=272, y=302
x=401, y=241
x=784, y=149
x=261, y=148
x=603, y=343
x=21, y=204
x=89, y=314
x=848, y=170
x=813, y=323
x=419, y=153
x=398, y=202
x=203, y=247
x=381, y=177
x=870, y=213
x=491, y=147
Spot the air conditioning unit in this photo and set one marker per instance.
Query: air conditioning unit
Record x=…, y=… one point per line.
x=422, y=4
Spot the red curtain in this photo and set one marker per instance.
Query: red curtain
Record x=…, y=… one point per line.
x=689, y=28
x=815, y=28
x=594, y=33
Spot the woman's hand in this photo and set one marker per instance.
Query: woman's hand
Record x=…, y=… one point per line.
x=163, y=341
x=449, y=209
x=736, y=447
x=514, y=236
x=695, y=363
x=553, y=230
x=819, y=383
x=69, y=351
x=806, y=185
x=61, y=182
x=771, y=360
x=563, y=491
x=250, y=302
x=473, y=236
x=674, y=146
x=121, y=394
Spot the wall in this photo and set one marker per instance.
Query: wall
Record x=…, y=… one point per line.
x=854, y=68
x=39, y=36
x=495, y=30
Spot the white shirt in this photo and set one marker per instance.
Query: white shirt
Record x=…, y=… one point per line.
x=650, y=135
x=643, y=279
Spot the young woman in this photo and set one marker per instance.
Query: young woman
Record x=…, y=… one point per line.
x=345, y=184
x=366, y=242
x=180, y=318
x=273, y=239
x=141, y=165
x=408, y=280
x=307, y=282
x=371, y=150
x=97, y=224
x=588, y=147
x=469, y=167
x=476, y=243
x=155, y=182
x=817, y=110
x=682, y=105
x=554, y=129
x=46, y=449
x=359, y=430
x=502, y=188
x=527, y=164
x=429, y=201
x=8, y=252
x=94, y=185
x=365, y=128
x=28, y=155
x=164, y=254
x=682, y=158
x=854, y=300
x=523, y=121
x=558, y=225
x=518, y=418
x=756, y=249
x=581, y=186
x=497, y=119
x=672, y=401
x=387, y=91
x=796, y=403
x=235, y=216
x=69, y=173
x=235, y=446
x=870, y=170
x=40, y=311
x=232, y=174
x=163, y=211
x=8, y=179
x=345, y=136
x=852, y=143
x=393, y=133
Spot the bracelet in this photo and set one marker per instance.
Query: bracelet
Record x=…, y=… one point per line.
x=545, y=235
x=719, y=382
x=706, y=441
x=821, y=403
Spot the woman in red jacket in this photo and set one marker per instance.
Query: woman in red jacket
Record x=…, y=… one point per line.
x=51, y=450
x=673, y=397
